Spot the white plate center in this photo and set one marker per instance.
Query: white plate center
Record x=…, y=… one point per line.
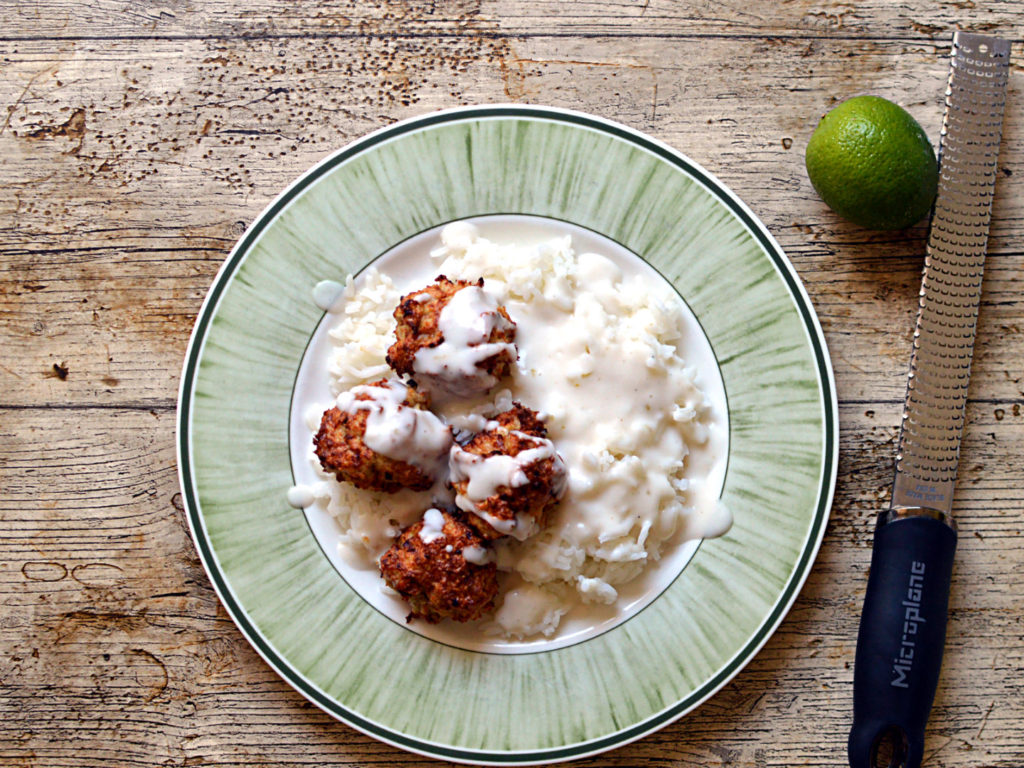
x=410, y=267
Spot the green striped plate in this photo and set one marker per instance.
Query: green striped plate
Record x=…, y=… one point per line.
x=430, y=697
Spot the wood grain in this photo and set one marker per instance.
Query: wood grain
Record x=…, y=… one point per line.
x=138, y=140
x=905, y=19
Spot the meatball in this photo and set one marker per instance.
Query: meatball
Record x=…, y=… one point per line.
x=439, y=566
x=380, y=437
x=454, y=337
x=509, y=476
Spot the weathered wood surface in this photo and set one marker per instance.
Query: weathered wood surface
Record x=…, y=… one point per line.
x=138, y=139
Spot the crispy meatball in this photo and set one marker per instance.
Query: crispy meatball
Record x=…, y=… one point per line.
x=415, y=440
x=519, y=418
x=509, y=476
x=462, y=351
x=428, y=566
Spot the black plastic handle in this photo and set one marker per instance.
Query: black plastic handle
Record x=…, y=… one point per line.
x=899, y=647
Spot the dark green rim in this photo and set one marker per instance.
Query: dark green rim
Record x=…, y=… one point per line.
x=280, y=665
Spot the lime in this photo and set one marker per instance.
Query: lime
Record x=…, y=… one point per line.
x=873, y=164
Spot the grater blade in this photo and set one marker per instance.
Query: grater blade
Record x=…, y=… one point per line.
x=940, y=364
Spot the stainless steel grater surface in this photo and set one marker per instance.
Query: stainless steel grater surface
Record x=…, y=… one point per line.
x=940, y=365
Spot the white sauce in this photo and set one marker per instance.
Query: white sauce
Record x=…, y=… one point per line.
x=529, y=610
x=521, y=527
x=433, y=527
x=326, y=295
x=301, y=496
x=484, y=476
x=466, y=323
x=476, y=555
x=398, y=431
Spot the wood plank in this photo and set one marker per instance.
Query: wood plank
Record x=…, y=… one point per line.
x=117, y=650
x=115, y=221
x=665, y=19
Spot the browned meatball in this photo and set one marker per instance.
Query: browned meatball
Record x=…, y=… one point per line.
x=427, y=566
x=519, y=418
x=520, y=507
x=340, y=443
x=464, y=366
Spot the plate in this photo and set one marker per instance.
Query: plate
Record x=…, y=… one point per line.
x=558, y=701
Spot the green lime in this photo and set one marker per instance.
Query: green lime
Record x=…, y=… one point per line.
x=873, y=164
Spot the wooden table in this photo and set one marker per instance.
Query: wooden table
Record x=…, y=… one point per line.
x=137, y=140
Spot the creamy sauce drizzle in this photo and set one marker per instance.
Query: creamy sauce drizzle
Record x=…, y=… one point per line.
x=466, y=323
x=301, y=496
x=399, y=431
x=476, y=555
x=433, y=527
x=485, y=475
x=327, y=295
x=528, y=610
